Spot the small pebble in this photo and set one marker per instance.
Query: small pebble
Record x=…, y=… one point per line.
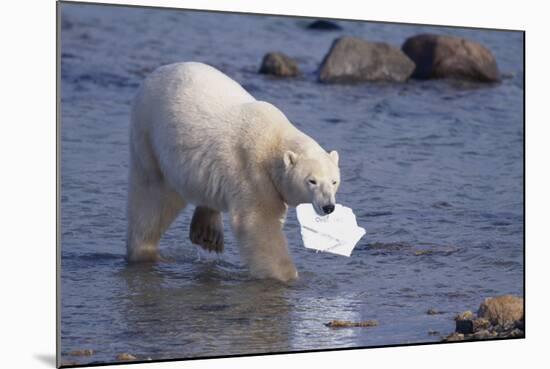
x=454, y=337
x=126, y=357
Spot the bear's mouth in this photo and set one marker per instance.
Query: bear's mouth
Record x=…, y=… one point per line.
x=318, y=210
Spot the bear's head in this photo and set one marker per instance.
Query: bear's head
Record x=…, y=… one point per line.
x=311, y=177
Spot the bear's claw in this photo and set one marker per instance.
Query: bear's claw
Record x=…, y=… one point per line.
x=207, y=229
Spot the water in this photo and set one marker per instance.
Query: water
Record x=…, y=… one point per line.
x=433, y=170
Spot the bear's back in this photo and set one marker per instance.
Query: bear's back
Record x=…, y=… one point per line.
x=196, y=87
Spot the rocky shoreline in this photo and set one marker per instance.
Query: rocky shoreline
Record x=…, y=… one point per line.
x=497, y=317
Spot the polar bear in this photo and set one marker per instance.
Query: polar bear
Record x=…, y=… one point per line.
x=197, y=137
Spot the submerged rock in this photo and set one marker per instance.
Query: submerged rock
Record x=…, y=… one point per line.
x=278, y=64
x=423, y=252
x=354, y=60
x=438, y=56
x=324, y=25
x=346, y=324
x=86, y=352
x=433, y=312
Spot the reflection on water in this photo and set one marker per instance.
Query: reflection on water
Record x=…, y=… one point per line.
x=433, y=170
x=188, y=317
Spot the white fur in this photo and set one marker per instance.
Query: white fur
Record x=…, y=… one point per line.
x=198, y=137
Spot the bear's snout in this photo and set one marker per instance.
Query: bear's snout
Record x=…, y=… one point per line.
x=327, y=209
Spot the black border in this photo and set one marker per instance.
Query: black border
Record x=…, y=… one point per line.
x=311, y=17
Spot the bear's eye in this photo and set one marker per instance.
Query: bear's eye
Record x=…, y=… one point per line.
x=312, y=181
x=334, y=183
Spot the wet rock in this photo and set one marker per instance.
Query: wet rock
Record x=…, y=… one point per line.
x=280, y=65
x=517, y=333
x=497, y=317
x=441, y=205
x=347, y=324
x=438, y=56
x=126, y=357
x=86, y=352
x=480, y=324
x=502, y=309
x=483, y=334
x=468, y=325
x=464, y=326
x=467, y=315
x=324, y=25
x=352, y=60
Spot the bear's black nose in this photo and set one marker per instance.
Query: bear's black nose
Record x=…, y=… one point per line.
x=328, y=209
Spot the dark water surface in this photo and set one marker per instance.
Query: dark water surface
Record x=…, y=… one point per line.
x=433, y=170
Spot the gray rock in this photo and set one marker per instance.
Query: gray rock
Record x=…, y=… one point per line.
x=438, y=56
x=354, y=60
x=278, y=64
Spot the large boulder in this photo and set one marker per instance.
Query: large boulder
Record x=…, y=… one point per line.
x=502, y=310
x=280, y=65
x=354, y=60
x=438, y=56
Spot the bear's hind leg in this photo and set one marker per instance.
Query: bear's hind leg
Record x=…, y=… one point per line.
x=152, y=207
x=207, y=229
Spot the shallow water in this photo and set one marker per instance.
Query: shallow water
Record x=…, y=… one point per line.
x=433, y=170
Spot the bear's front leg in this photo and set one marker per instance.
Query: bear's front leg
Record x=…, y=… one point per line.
x=262, y=243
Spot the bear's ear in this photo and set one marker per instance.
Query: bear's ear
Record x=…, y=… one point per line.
x=334, y=156
x=290, y=158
